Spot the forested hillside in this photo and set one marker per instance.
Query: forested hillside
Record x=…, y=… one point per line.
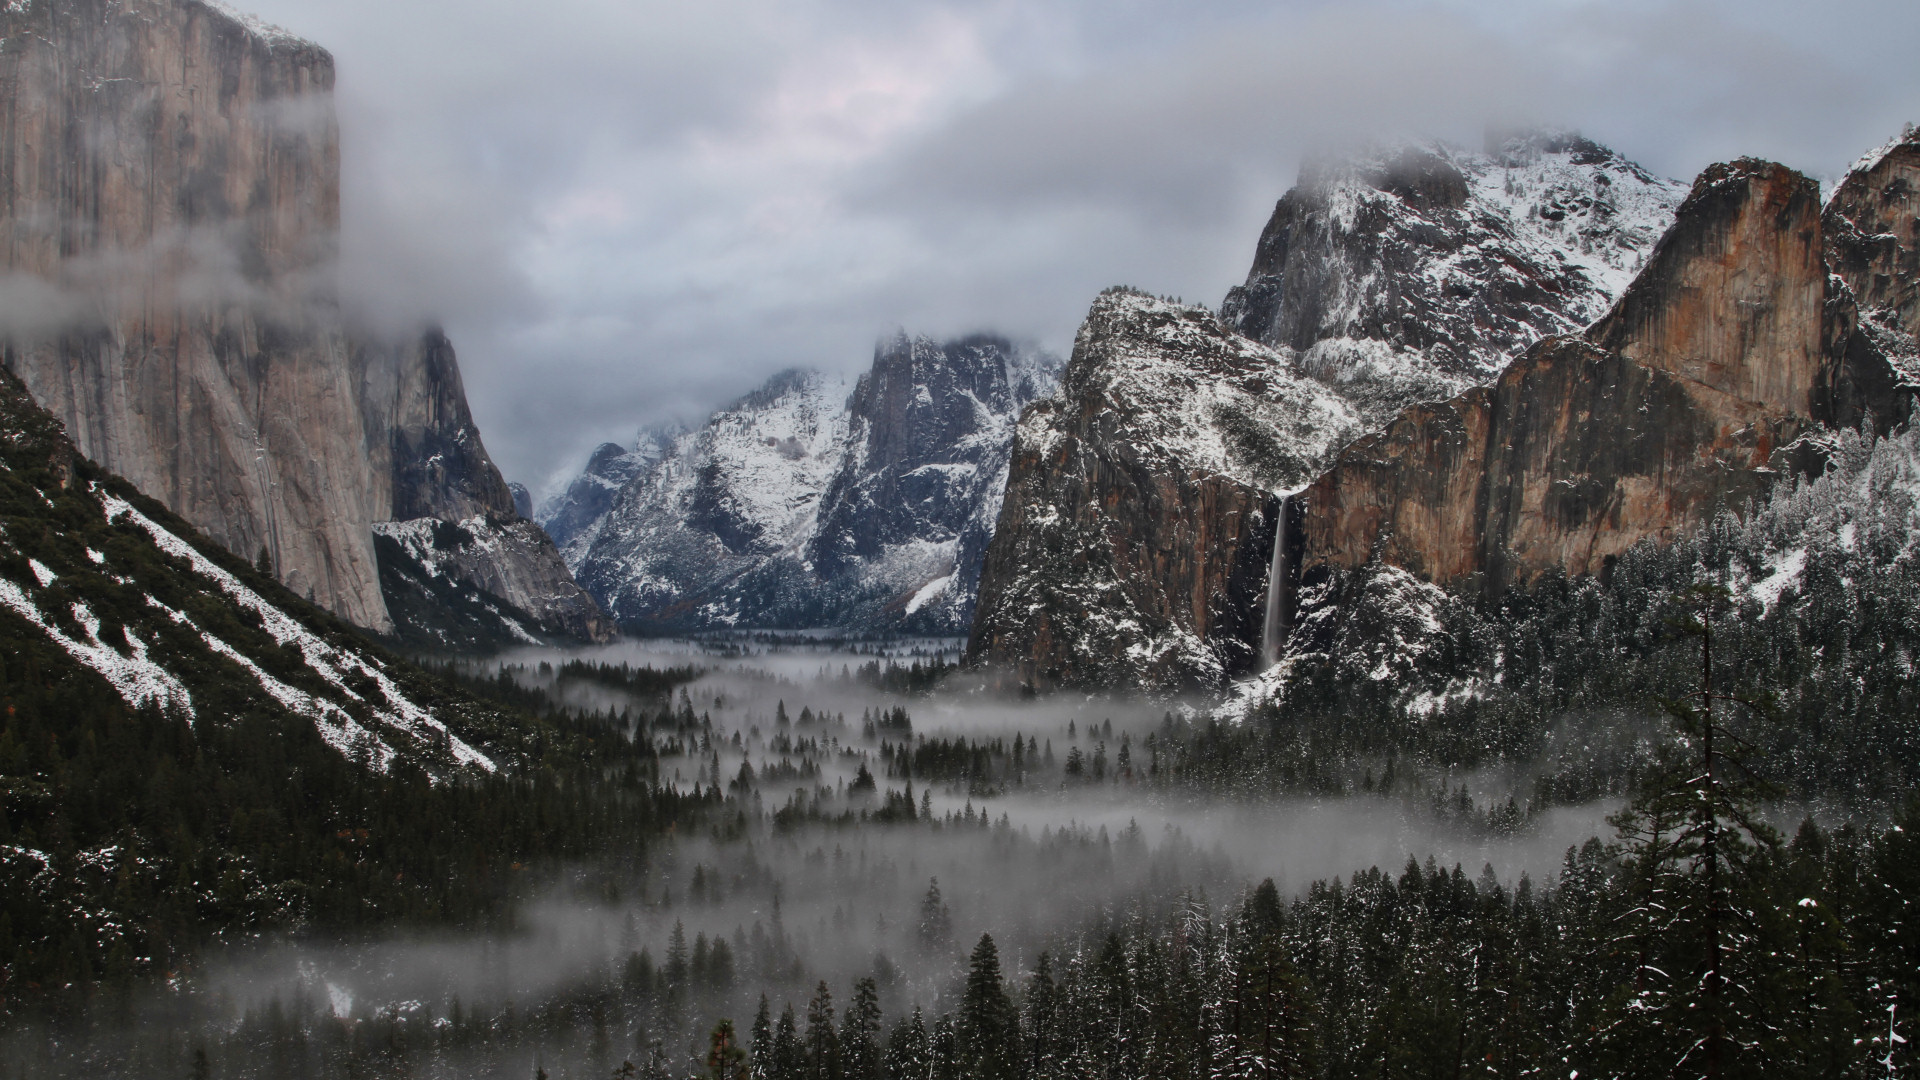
x=188, y=752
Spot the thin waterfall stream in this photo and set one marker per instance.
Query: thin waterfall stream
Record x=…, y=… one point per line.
x=1273, y=634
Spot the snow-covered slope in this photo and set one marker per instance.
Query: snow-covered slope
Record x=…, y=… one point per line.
x=906, y=521
x=1410, y=272
x=572, y=517
x=714, y=533
x=814, y=501
x=98, y=582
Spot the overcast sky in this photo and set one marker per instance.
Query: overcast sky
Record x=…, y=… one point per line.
x=625, y=211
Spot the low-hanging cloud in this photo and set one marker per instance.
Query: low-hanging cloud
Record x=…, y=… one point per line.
x=627, y=212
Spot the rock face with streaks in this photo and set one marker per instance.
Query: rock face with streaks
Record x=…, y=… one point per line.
x=460, y=566
x=1719, y=370
x=1133, y=541
x=1134, y=545
x=170, y=175
x=1872, y=228
x=172, y=192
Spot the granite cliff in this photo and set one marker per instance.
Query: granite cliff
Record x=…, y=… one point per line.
x=171, y=187
x=1134, y=544
x=170, y=176
x=1729, y=363
x=1870, y=227
x=1410, y=272
x=1133, y=540
x=460, y=565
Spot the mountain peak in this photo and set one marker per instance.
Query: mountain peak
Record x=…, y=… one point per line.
x=1409, y=270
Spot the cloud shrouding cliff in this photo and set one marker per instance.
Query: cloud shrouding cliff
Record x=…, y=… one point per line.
x=624, y=212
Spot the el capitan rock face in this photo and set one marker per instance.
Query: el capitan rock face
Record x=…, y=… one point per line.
x=171, y=186
x=1692, y=395
x=1133, y=542
x=170, y=176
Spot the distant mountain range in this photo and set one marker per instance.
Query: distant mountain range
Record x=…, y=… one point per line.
x=813, y=501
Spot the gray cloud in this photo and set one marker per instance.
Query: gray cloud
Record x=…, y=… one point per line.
x=625, y=212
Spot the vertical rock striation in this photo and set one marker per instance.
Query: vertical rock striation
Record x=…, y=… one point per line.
x=1721, y=366
x=171, y=181
x=171, y=187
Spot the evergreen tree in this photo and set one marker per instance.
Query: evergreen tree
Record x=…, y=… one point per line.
x=1697, y=854
x=1042, y=1004
x=987, y=1031
x=823, y=1043
x=725, y=1059
x=860, y=1032
x=909, y=1055
x=936, y=922
x=762, y=1058
x=1270, y=1021
x=789, y=1056
x=677, y=973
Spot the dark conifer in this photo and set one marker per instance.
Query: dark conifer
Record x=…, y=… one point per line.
x=987, y=1030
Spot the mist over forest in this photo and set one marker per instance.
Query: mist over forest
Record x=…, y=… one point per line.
x=1480, y=637
x=862, y=815
x=856, y=822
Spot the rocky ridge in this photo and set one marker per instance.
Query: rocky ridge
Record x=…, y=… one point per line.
x=1412, y=271
x=101, y=588
x=1730, y=363
x=171, y=185
x=1404, y=274
x=1133, y=542
x=811, y=502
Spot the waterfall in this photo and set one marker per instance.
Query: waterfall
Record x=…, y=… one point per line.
x=1273, y=635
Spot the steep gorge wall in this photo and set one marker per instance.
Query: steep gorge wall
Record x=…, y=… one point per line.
x=170, y=181
x=1133, y=542
x=432, y=463
x=1694, y=393
x=1872, y=228
x=429, y=466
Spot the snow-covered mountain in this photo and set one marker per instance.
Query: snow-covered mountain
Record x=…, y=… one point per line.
x=813, y=501
x=1142, y=509
x=1412, y=271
